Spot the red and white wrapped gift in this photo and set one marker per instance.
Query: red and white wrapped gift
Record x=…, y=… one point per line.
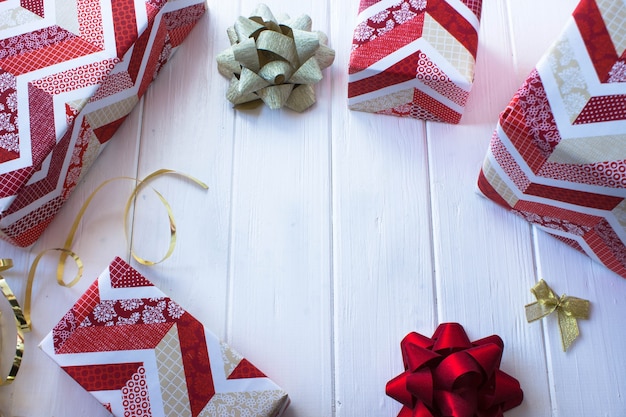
x=141, y=354
x=558, y=154
x=414, y=58
x=70, y=73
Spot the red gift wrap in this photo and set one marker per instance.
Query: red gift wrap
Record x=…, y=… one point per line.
x=449, y=376
x=558, y=154
x=141, y=354
x=414, y=58
x=70, y=73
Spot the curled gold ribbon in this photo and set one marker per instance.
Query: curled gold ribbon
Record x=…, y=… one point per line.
x=23, y=316
x=569, y=310
x=66, y=249
x=274, y=61
x=168, y=208
x=21, y=323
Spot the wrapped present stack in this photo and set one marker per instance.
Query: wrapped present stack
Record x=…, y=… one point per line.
x=70, y=73
x=141, y=354
x=414, y=58
x=558, y=154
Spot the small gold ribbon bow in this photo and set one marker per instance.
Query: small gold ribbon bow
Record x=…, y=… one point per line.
x=569, y=310
x=274, y=61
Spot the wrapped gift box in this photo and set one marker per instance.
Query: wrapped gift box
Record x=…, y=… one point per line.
x=558, y=154
x=70, y=73
x=414, y=58
x=140, y=353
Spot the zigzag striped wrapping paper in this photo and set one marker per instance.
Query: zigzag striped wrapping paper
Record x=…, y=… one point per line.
x=558, y=154
x=70, y=73
x=414, y=58
x=141, y=354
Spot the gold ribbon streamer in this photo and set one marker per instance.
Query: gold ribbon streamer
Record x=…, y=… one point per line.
x=23, y=317
x=66, y=251
x=20, y=323
x=168, y=208
x=274, y=61
x=569, y=310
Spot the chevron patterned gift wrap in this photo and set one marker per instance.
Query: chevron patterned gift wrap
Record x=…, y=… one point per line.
x=414, y=58
x=558, y=154
x=70, y=73
x=141, y=354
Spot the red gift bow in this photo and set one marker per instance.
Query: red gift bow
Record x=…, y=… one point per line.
x=450, y=376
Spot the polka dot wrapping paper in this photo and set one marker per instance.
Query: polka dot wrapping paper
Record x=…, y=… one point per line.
x=414, y=58
x=70, y=73
x=141, y=354
x=558, y=154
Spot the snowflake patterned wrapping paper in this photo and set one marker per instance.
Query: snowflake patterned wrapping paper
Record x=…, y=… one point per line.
x=140, y=353
x=70, y=73
x=558, y=154
x=414, y=58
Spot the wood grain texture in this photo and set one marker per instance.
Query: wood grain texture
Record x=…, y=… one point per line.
x=482, y=279
x=325, y=237
x=382, y=242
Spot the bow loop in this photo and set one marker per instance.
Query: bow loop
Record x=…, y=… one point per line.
x=421, y=385
x=450, y=337
x=396, y=389
x=458, y=370
x=416, y=352
x=575, y=307
x=487, y=356
x=499, y=396
x=457, y=404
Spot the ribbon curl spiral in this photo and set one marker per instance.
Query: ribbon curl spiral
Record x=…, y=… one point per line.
x=21, y=323
x=274, y=61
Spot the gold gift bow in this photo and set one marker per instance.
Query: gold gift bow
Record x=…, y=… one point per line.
x=569, y=310
x=275, y=61
x=23, y=316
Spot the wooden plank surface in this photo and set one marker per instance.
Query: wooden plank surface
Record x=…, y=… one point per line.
x=325, y=237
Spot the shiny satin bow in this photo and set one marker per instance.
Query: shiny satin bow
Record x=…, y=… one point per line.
x=450, y=376
x=569, y=310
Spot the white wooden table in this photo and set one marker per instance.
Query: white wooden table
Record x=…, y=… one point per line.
x=327, y=236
